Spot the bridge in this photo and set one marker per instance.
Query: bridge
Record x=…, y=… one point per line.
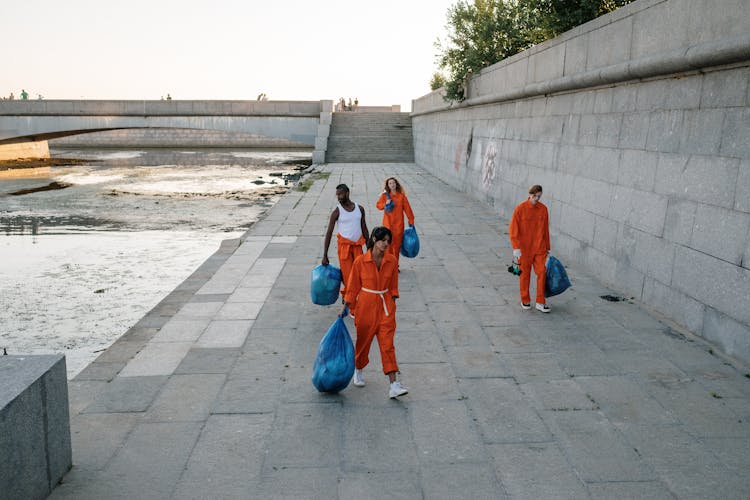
x=24, y=123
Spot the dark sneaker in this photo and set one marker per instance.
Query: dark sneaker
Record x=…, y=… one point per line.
x=525, y=306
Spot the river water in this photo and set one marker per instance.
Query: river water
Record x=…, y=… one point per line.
x=82, y=263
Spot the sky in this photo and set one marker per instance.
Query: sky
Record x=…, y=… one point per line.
x=381, y=52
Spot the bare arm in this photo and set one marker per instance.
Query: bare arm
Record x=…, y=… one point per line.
x=329, y=233
x=365, y=232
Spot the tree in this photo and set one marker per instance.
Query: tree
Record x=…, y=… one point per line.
x=437, y=81
x=483, y=32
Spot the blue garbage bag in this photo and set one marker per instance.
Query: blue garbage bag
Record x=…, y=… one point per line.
x=390, y=204
x=325, y=284
x=557, y=279
x=410, y=243
x=334, y=364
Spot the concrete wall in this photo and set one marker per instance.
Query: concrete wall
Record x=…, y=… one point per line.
x=169, y=137
x=31, y=149
x=35, y=446
x=637, y=125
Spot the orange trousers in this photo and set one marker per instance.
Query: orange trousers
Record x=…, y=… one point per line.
x=525, y=263
x=395, y=247
x=348, y=250
x=369, y=327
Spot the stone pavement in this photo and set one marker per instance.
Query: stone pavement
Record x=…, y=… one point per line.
x=209, y=395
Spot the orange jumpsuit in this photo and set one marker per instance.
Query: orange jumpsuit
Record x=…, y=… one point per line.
x=529, y=231
x=394, y=220
x=348, y=251
x=372, y=293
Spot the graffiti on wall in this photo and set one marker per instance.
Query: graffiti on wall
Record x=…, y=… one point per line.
x=488, y=165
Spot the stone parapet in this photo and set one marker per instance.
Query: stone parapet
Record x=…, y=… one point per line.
x=35, y=445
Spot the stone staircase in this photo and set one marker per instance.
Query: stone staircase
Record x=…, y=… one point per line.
x=377, y=137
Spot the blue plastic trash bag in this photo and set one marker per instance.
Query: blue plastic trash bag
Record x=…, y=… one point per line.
x=557, y=279
x=334, y=364
x=325, y=283
x=389, y=205
x=410, y=243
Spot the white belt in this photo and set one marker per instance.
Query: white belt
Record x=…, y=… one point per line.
x=382, y=296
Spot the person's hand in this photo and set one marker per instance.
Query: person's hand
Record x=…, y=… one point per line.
x=325, y=260
x=344, y=311
x=516, y=253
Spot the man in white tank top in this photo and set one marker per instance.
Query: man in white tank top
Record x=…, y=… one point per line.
x=352, y=233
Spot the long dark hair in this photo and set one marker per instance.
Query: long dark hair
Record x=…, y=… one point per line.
x=379, y=234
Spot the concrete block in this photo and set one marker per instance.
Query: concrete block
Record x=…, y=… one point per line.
x=730, y=335
x=587, y=130
x=625, y=98
x=603, y=101
x=228, y=455
x=639, y=209
x=735, y=132
x=596, y=449
x=704, y=131
x=516, y=421
x=720, y=233
x=651, y=96
x=608, y=130
x=697, y=178
x=725, y=88
x=536, y=470
x=628, y=280
x=610, y=44
x=652, y=36
x=637, y=169
x=548, y=64
x=321, y=424
x=34, y=425
x=460, y=440
x=605, y=235
x=445, y=481
x=666, y=131
x=648, y=254
x=723, y=286
x=576, y=53
x=592, y=195
x=684, y=93
x=680, y=221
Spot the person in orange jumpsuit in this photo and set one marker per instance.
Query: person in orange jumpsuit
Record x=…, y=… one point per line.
x=372, y=290
x=395, y=204
x=529, y=236
x=351, y=236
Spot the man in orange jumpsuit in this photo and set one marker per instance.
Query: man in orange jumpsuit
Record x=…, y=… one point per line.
x=529, y=236
x=372, y=290
x=395, y=204
x=352, y=233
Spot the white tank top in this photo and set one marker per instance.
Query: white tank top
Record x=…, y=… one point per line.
x=350, y=223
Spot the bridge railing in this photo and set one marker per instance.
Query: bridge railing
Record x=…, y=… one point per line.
x=162, y=108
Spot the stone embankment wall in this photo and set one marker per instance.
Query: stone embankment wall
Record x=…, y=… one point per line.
x=171, y=138
x=31, y=149
x=638, y=127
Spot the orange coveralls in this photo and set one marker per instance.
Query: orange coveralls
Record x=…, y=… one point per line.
x=348, y=251
x=529, y=231
x=394, y=220
x=372, y=292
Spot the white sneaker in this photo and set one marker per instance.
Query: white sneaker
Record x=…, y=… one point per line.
x=525, y=306
x=542, y=307
x=358, y=380
x=397, y=390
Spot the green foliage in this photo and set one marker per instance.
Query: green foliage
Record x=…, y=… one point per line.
x=483, y=32
x=437, y=81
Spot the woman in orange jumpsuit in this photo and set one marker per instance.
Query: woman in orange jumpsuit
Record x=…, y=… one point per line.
x=529, y=236
x=372, y=290
x=395, y=204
